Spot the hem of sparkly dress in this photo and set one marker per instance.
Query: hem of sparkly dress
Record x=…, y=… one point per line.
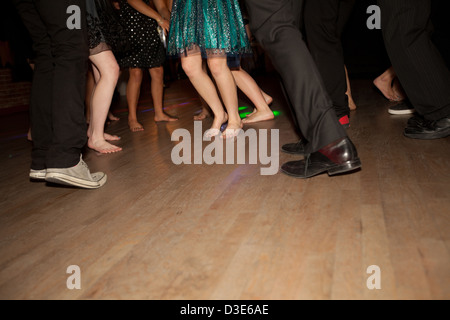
x=194, y=49
x=133, y=66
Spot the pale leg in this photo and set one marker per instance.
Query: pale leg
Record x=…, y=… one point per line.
x=251, y=89
x=192, y=66
x=106, y=73
x=228, y=91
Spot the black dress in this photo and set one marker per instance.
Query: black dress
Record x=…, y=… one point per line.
x=146, y=48
x=105, y=31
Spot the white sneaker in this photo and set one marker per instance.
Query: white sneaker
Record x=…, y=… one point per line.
x=78, y=176
x=38, y=175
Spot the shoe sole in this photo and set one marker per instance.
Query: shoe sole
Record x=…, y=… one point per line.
x=428, y=136
x=347, y=167
x=37, y=176
x=71, y=181
x=344, y=168
x=401, y=112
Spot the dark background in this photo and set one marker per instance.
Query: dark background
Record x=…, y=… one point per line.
x=365, y=54
x=364, y=51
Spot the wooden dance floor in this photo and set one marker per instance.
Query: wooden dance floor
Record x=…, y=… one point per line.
x=163, y=232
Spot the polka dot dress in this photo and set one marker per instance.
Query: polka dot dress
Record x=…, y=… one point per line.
x=146, y=49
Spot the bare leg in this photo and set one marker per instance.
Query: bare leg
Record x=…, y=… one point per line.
x=249, y=87
x=192, y=66
x=157, y=88
x=133, y=92
x=228, y=91
x=384, y=84
x=206, y=111
x=90, y=87
x=106, y=73
x=351, y=102
x=267, y=98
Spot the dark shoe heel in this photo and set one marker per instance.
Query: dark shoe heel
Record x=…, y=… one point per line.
x=346, y=167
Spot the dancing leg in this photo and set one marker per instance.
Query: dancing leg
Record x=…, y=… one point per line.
x=106, y=73
x=192, y=66
x=133, y=92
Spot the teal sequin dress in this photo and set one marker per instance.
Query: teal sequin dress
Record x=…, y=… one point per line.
x=214, y=27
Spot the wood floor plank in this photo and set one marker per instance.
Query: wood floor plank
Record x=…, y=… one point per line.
x=162, y=231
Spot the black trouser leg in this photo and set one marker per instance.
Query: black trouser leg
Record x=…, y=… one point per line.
x=40, y=104
x=57, y=100
x=275, y=24
x=324, y=22
x=419, y=66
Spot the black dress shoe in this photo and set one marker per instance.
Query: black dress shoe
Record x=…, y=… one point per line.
x=336, y=158
x=423, y=129
x=297, y=148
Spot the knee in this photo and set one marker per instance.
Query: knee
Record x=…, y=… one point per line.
x=217, y=66
x=191, y=69
x=136, y=74
x=157, y=73
x=113, y=71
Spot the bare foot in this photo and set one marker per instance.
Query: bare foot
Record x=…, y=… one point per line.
x=202, y=115
x=252, y=113
x=385, y=86
x=112, y=117
x=110, y=137
x=216, y=126
x=219, y=121
x=135, y=126
x=258, y=116
x=29, y=137
x=165, y=118
x=268, y=98
x=398, y=90
x=232, y=130
x=103, y=147
x=106, y=136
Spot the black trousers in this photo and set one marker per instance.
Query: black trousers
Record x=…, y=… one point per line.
x=407, y=30
x=324, y=23
x=58, y=124
x=276, y=25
